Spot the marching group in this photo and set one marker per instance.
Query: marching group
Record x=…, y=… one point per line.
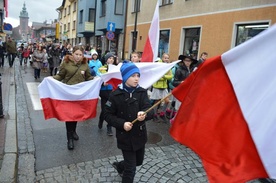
x=123, y=107
x=126, y=107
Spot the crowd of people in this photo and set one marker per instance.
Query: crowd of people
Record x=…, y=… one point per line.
x=119, y=106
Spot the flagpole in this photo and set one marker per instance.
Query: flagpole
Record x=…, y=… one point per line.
x=156, y=104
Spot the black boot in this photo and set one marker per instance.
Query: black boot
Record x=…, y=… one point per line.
x=75, y=136
x=100, y=124
x=70, y=141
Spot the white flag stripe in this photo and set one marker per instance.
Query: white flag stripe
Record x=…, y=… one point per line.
x=154, y=32
x=51, y=88
x=150, y=72
x=251, y=69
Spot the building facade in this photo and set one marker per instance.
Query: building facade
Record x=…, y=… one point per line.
x=110, y=26
x=191, y=27
x=86, y=22
x=67, y=21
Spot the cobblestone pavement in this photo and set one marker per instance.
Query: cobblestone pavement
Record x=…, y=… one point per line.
x=163, y=164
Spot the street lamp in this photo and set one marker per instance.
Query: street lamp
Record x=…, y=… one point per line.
x=134, y=40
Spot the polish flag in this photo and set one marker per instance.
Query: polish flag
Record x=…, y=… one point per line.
x=6, y=8
x=69, y=102
x=149, y=73
x=228, y=113
x=150, y=51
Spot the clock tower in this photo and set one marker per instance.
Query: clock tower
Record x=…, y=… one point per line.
x=24, y=21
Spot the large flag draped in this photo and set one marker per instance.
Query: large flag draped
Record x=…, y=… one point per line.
x=69, y=102
x=227, y=115
x=79, y=102
x=150, y=51
x=150, y=72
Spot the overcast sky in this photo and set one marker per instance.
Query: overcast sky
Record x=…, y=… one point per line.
x=38, y=10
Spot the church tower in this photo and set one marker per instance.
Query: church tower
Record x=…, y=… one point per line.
x=24, y=21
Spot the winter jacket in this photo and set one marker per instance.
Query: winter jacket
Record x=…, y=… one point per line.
x=72, y=73
x=11, y=47
x=122, y=107
x=162, y=83
x=181, y=74
x=103, y=70
x=95, y=65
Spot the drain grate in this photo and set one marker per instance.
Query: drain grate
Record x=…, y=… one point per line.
x=153, y=137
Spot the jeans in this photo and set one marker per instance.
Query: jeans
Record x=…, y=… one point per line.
x=11, y=57
x=37, y=73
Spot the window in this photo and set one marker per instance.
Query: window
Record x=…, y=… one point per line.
x=69, y=9
x=136, y=5
x=247, y=31
x=75, y=6
x=81, y=16
x=74, y=25
x=119, y=7
x=91, y=15
x=60, y=14
x=165, y=2
x=64, y=12
x=191, y=41
x=64, y=29
x=103, y=7
x=68, y=28
x=164, y=42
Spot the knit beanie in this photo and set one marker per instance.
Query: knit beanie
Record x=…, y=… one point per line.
x=94, y=52
x=128, y=69
x=107, y=56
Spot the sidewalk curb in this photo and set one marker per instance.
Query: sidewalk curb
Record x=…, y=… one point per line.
x=8, y=171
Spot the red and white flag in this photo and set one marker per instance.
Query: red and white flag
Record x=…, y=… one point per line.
x=227, y=115
x=149, y=73
x=69, y=102
x=150, y=51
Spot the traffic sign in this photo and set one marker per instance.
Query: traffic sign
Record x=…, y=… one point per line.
x=110, y=26
x=7, y=27
x=110, y=35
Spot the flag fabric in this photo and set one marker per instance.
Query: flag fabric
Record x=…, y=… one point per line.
x=69, y=102
x=227, y=115
x=149, y=73
x=150, y=51
x=6, y=8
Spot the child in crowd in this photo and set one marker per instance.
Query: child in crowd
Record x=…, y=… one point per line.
x=26, y=55
x=160, y=90
x=95, y=64
x=125, y=104
x=186, y=67
x=135, y=57
x=105, y=91
x=45, y=62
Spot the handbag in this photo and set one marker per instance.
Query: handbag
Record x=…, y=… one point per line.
x=35, y=65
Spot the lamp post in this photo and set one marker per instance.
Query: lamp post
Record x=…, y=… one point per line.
x=1, y=104
x=134, y=40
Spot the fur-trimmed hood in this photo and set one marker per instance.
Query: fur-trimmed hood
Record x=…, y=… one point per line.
x=69, y=58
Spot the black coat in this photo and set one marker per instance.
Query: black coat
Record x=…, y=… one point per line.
x=121, y=108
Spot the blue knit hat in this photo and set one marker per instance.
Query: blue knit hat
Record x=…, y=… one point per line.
x=128, y=69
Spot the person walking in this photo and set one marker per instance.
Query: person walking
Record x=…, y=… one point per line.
x=38, y=57
x=105, y=91
x=160, y=90
x=125, y=104
x=73, y=70
x=11, y=50
x=2, y=53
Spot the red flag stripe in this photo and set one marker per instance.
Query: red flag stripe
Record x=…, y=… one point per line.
x=211, y=123
x=66, y=110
